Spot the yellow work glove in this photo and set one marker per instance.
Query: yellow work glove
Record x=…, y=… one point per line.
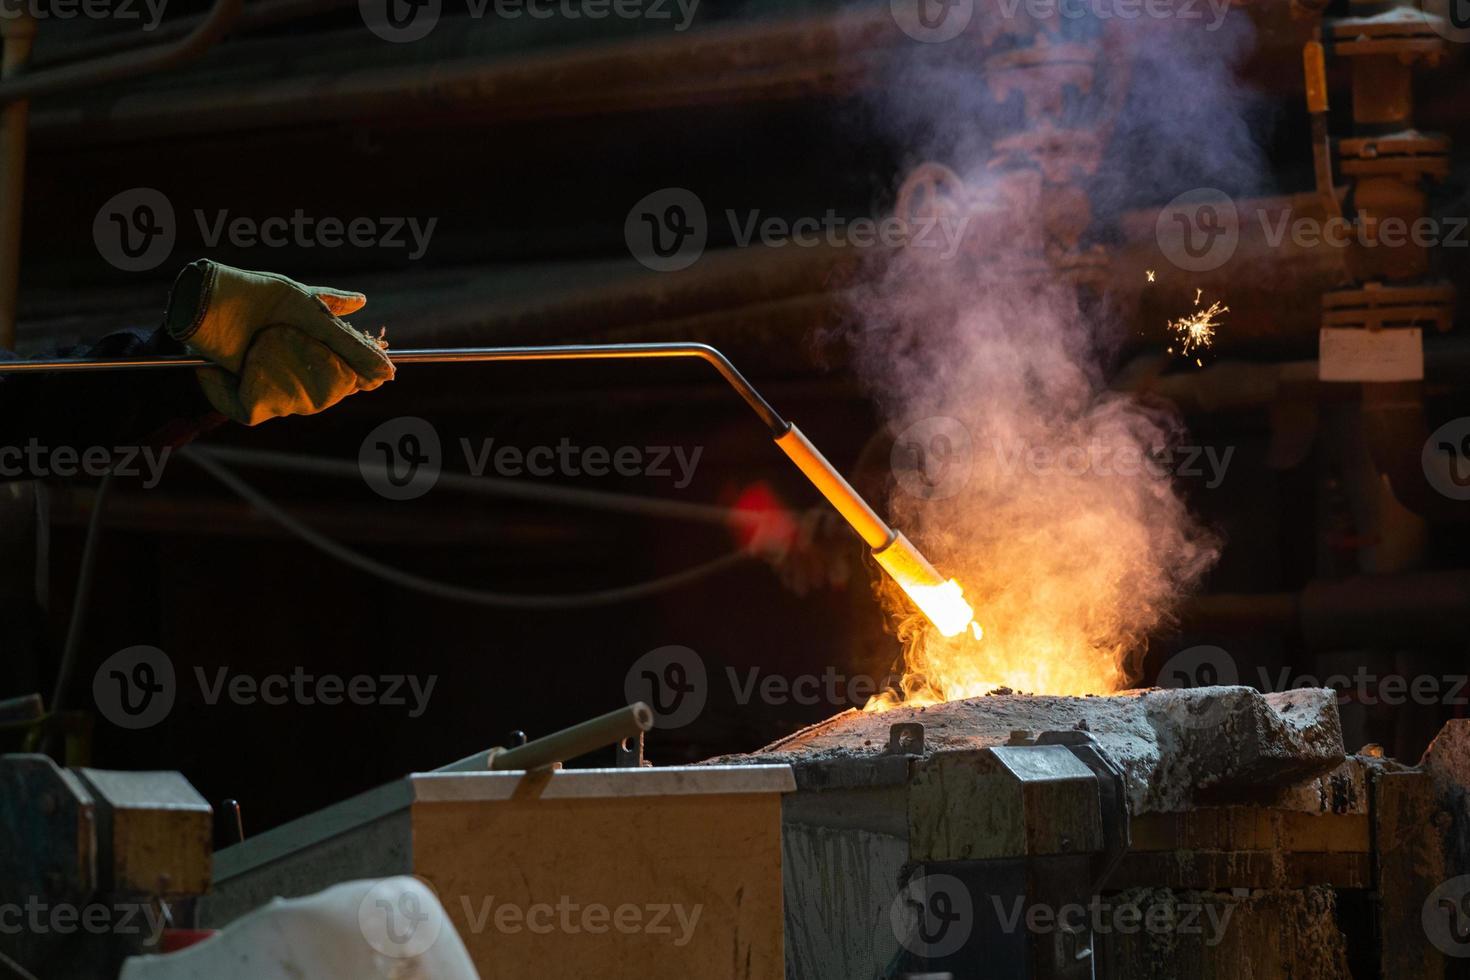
x=280, y=347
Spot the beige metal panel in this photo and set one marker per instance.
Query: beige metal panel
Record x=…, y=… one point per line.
x=671, y=886
x=452, y=787
x=155, y=832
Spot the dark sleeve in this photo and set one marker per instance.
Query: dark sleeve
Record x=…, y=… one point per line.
x=109, y=408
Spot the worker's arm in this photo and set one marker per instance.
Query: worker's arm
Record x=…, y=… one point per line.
x=110, y=409
x=280, y=348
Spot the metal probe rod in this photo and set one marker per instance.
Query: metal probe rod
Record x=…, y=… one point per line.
x=457, y=355
x=936, y=597
x=569, y=743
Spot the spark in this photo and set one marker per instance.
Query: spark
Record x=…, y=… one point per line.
x=1150, y=274
x=1195, y=331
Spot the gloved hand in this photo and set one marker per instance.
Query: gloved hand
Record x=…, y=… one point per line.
x=280, y=347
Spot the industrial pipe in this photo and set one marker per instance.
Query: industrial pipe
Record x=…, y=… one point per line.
x=128, y=64
x=19, y=34
x=589, y=736
x=940, y=599
x=1392, y=611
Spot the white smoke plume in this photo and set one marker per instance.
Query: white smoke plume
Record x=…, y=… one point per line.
x=1047, y=496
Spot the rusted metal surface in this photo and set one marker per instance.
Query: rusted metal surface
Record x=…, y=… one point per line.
x=155, y=832
x=1173, y=746
x=1264, y=935
x=1409, y=866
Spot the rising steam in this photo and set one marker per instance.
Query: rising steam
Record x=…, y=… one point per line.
x=1016, y=470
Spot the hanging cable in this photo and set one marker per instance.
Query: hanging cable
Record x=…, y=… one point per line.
x=449, y=590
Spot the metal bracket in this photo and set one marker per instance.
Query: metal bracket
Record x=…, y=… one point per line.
x=1112, y=794
x=905, y=738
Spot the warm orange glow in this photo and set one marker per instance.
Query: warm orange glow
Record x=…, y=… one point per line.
x=941, y=600
x=945, y=606
x=1053, y=625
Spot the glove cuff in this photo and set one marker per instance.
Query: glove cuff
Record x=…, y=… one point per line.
x=187, y=300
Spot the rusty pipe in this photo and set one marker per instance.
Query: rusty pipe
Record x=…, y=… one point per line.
x=460, y=355
x=126, y=64
x=589, y=736
x=1406, y=608
x=19, y=34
